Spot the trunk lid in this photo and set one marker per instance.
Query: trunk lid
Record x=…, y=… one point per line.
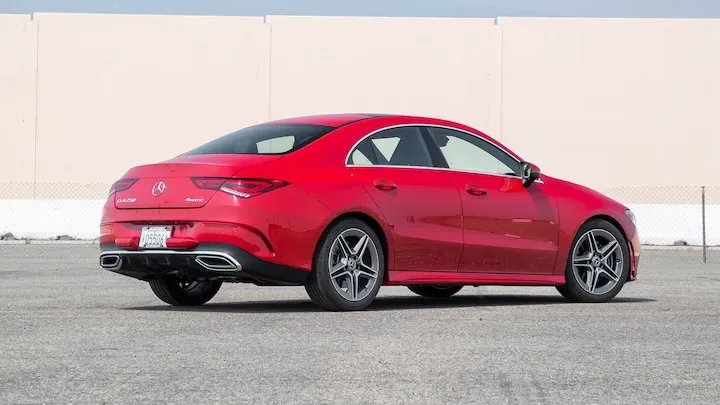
x=169, y=184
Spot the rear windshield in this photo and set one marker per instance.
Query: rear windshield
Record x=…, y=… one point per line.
x=263, y=139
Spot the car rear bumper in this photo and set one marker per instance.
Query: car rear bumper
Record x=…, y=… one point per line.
x=217, y=261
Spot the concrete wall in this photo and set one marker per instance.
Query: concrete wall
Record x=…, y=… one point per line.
x=614, y=102
x=443, y=67
x=117, y=91
x=605, y=102
x=18, y=63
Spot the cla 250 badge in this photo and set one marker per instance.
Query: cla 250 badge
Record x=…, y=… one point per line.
x=125, y=200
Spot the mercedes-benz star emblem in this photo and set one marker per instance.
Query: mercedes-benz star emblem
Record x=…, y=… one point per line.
x=158, y=188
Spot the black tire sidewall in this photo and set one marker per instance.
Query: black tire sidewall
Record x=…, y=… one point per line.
x=434, y=291
x=321, y=268
x=168, y=290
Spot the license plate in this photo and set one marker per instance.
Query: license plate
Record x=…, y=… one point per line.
x=154, y=236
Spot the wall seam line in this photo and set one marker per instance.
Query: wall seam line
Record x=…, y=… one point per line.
x=502, y=78
x=270, y=44
x=37, y=85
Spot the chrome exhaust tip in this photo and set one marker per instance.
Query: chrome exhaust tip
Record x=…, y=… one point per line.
x=215, y=263
x=110, y=262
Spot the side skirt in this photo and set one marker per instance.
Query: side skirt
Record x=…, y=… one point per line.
x=435, y=277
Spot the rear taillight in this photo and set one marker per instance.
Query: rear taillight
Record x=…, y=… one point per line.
x=244, y=188
x=121, y=185
x=208, y=183
x=249, y=188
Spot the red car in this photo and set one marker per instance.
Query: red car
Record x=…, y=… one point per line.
x=345, y=203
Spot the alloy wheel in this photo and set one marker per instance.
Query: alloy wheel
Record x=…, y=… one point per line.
x=597, y=261
x=354, y=264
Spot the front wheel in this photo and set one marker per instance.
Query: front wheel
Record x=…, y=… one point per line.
x=598, y=264
x=175, y=291
x=435, y=291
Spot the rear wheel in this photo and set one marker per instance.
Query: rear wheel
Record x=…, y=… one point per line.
x=349, y=268
x=435, y=291
x=597, y=265
x=175, y=291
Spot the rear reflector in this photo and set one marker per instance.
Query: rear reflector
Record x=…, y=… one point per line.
x=121, y=185
x=244, y=188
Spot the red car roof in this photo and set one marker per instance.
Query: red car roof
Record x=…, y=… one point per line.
x=332, y=120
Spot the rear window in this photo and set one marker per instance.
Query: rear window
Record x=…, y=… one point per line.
x=263, y=139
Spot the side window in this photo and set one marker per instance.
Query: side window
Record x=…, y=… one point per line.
x=276, y=145
x=463, y=151
x=402, y=146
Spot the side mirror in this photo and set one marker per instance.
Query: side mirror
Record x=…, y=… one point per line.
x=529, y=173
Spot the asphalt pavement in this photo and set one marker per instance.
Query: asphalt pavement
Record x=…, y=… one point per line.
x=71, y=332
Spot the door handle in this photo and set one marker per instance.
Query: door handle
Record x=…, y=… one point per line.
x=384, y=185
x=475, y=190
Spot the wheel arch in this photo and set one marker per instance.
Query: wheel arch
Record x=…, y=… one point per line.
x=610, y=219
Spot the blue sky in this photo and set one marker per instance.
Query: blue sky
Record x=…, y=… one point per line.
x=422, y=8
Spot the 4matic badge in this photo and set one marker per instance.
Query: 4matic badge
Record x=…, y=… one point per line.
x=125, y=200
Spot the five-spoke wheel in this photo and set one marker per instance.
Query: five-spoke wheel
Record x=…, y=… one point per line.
x=349, y=267
x=354, y=263
x=597, y=265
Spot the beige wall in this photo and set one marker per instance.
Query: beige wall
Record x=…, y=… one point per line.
x=606, y=102
x=614, y=103
x=445, y=67
x=18, y=56
x=117, y=91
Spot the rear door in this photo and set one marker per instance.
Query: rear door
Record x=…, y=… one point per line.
x=507, y=228
x=421, y=207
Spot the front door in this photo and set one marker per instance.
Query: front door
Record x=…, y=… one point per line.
x=507, y=228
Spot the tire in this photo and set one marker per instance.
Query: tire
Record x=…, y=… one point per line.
x=577, y=286
x=338, y=295
x=435, y=291
x=171, y=291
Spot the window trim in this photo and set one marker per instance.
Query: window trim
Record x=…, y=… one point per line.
x=502, y=149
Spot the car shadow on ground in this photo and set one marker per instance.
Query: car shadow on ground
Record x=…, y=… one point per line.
x=386, y=303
